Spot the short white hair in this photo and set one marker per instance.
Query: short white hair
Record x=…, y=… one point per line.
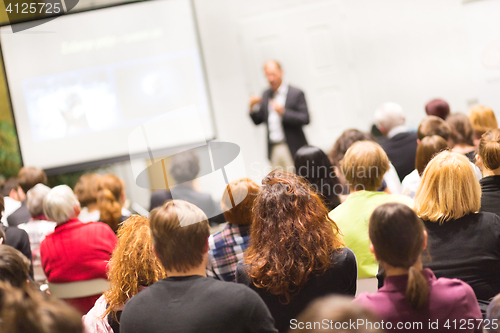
x=34, y=199
x=389, y=115
x=59, y=204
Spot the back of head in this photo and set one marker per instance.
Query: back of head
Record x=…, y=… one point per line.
x=86, y=188
x=482, y=119
x=427, y=149
x=8, y=185
x=34, y=199
x=438, y=107
x=449, y=189
x=489, y=149
x=339, y=311
x=28, y=177
x=345, y=140
x=493, y=313
x=180, y=232
x=184, y=166
x=14, y=266
x=244, y=191
x=109, y=191
x=133, y=263
x=364, y=165
x=60, y=204
x=397, y=235
x=433, y=125
x=388, y=116
x=461, y=129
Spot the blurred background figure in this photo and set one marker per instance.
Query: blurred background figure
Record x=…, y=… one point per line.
x=110, y=201
x=482, y=119
x=438, y=107
x=461, y=135
x=86, y=193
x=13, y=197
x=488, y=159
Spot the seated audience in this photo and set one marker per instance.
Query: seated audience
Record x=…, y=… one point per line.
x=312, y=164
x=427, y=148
x=75, y=251
x=391, y=182
x=432, y=125
x=463, y=243
x=14, y=266
x=412, y=295
x=12, y=195
x=488, y=158
x=27, y=177
x=438, y=107
x=482, y=119
x=226, y=247
x=132, y=268
x=338, y=312
x=188, y=301
x=86, y=193
x=364, y=164
x=38, y=226
x=492, y=322
x=461, y=135
x=296, y=252
x=110, y=201
x=400, y=145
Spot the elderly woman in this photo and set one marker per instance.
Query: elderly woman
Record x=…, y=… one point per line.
x=463, y=243
x=75, y=251
x=133, y=267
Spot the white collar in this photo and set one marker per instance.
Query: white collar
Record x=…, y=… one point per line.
x=397, y=130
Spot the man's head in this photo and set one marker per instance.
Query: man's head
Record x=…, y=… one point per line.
x=274, y=74
x=388, y=116
x=28, y=177
x=185, y=166
x=179, y=238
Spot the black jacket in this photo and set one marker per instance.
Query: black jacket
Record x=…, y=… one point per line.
x=21, y=215
x=490, y=194
x=401, y=150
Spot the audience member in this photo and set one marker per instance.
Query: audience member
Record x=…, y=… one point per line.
x=438, y=107
x=14, y=266
x=461, y=135
x=411, y=295
x=433, y=125
x=426, y=149
x=491, y=323
x=335, y=314
x=27, y=177
x=110, y=201
x=364, y=164
x=400, y=145
x=296, y=252
x=312, y=164
x=448, y=200
x=75, y=251
x=86, y=193
x=12, y=195
x=488, y=159
x=132, y=268
x=38, y=226
x=188, y=301
x=482, y=119
x=226, y=247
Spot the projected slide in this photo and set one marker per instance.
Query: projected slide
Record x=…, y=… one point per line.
x=83, y=82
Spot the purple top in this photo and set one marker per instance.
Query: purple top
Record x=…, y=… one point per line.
x=452, y=306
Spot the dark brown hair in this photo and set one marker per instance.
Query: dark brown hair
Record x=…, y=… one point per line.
x=28, y=177
x=427, y=149
x=461, y=128
x=109, y=190
x=244, y=191
x=438, y=108
x=489, y=149
x=14, y=266
x=86, y=188
x=344, y=141
x=180, y=232
x=433, y=125
x=292, y=235
x=397, y=235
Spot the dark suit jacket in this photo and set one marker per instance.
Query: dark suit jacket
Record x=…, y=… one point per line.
x=21, y=215
x=401, y=150
x=296, y=115
x=19, y=239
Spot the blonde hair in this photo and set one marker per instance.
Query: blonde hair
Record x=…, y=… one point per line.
x=482, y=119
x=489, y=149
x=449, y=189
x=109, y=190
x=365, y=164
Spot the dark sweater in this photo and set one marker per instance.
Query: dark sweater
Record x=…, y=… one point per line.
x=467, y=249
x=340, y=278
x=401, y=150
x=490, y=198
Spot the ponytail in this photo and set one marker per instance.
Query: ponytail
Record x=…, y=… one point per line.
x=489, y=149
x=110, y=208
x=417, y=291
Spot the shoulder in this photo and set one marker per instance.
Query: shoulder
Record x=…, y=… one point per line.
x=454, y=291
x=344, y=255
x=294, y=91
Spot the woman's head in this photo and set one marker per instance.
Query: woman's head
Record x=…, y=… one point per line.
x=427, y=148
x=482, y=119
x=86, y=189
x=313, y=164
x=345, y=140
x=14, y=266
x=364, y=165
x=398, y=237
x=110, y=197
x=449, y=189
x=133, y=263
x=244, y=191
x=489, y=150
x=291, y=236
x=461, y=129
x=60, y=204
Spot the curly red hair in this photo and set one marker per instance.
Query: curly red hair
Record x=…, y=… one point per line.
x=292, y=236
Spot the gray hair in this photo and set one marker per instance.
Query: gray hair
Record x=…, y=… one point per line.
x=34, y=199
x=59, y=204
x=389, y=115
x=185, y=166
